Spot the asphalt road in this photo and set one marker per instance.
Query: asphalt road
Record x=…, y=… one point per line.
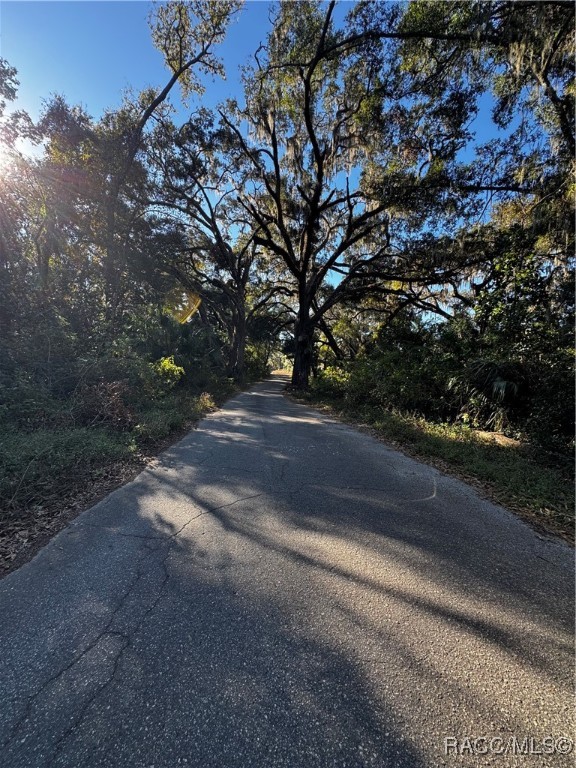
x=279, y=589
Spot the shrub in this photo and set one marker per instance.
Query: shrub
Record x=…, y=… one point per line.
x=172, y=413
x=158, y=422
x=331, y=382
x=205, y=403
x=167, y=373
x=102, y=404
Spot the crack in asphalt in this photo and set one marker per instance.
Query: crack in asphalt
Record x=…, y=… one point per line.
x=214, y=509
x=54, y=678
x=141, y=571
x=107, y=683
x=60, y=741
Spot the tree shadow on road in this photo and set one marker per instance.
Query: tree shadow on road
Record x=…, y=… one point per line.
x=268, y=597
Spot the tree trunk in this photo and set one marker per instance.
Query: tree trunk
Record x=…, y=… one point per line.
x=236, y=360
x=303, y=348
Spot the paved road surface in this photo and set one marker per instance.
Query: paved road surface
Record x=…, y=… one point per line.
x=281, y=590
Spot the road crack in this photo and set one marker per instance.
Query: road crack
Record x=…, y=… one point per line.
x=121, y=651
x=91, y=645
x=142, y=569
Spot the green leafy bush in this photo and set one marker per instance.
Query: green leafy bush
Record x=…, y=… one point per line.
x=448, y=373
x=171, y=414
x=332, y=382
x=167, y=373
x=158, y=422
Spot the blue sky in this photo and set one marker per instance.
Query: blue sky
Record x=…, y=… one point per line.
x=91, y=51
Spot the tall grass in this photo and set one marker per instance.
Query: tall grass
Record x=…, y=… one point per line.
x=38, y=465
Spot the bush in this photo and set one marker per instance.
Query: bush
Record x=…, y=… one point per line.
x=171, y=414
x=549, y=417
x=102, y=404
x=158, y=422
x=448, y=373
x=167, y=373
x=411, y=382
x=257, y=361
x=332, y=382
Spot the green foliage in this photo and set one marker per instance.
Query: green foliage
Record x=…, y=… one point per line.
x=404, y=367
x=345, y=214
x=167, y=373
x=257, y=364
x=436, y=372
x=171, y=414
x=185, y=33
x=36, y=465
x=331, y=382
